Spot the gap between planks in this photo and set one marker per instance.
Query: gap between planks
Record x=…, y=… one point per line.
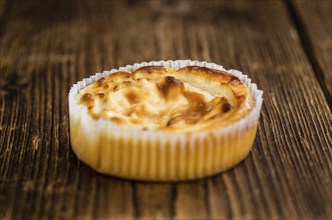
x=308, y=49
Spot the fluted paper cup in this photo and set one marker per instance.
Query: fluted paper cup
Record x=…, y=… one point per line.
x=132, y=153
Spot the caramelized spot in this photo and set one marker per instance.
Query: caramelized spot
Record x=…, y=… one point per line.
x=168, y=84
x=226, y=107
x=116, y=120
x=87, y=99
x=132, y=97
x=197, y=103
x=213, y=117
x=127, y=83
x=100, y=94
x=101, y=81
x=240, y=98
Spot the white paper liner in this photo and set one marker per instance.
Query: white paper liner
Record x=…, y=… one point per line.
x=224, y=135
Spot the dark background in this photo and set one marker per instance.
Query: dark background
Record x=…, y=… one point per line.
x=284, y=46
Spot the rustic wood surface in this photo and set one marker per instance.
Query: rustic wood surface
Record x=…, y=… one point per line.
x=314, y=22
x=285, y=47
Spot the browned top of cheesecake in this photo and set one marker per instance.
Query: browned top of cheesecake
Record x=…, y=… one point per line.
x=168, y=99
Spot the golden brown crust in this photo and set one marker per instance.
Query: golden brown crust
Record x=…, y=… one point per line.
x=166, y=99
x=208, y=73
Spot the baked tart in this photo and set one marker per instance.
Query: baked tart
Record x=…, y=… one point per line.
x=164, y=121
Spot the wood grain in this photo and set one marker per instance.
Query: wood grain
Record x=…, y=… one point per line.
x=314, y=23
x=48, y=46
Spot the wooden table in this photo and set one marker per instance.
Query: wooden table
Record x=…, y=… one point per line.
x=285, y=47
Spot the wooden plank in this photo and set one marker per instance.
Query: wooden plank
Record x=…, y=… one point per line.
x=287, y=174
x=314, y=21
